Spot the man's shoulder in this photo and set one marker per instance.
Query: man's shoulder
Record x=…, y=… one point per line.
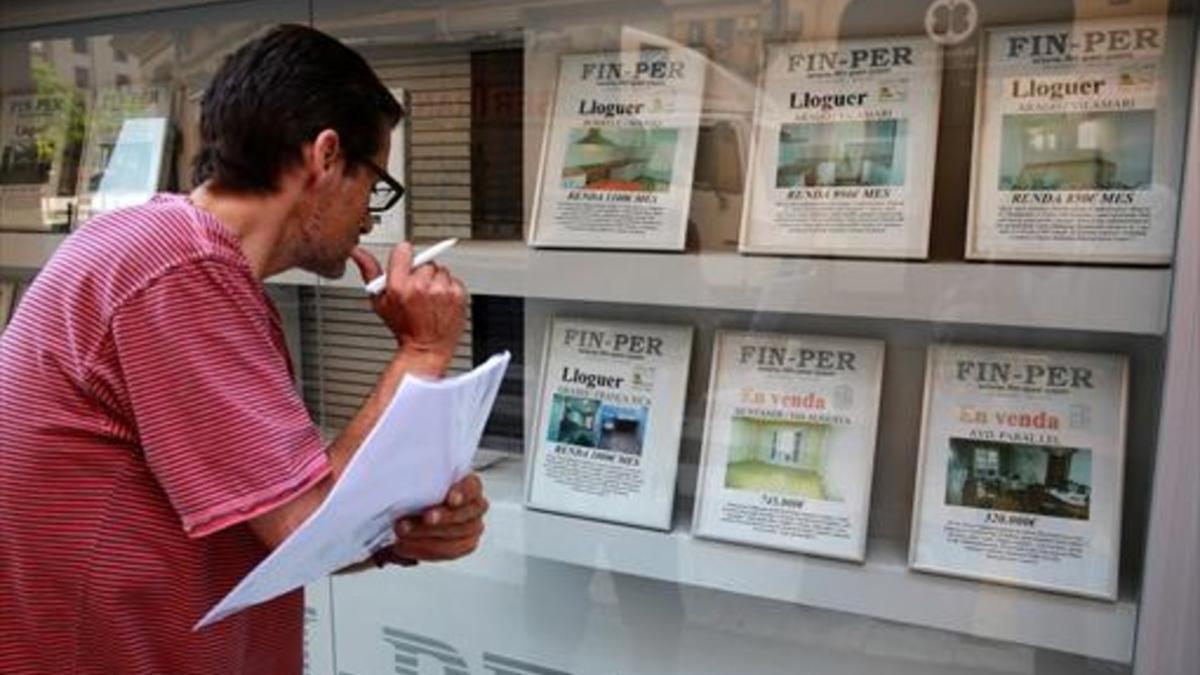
x=118, y=253
x=166, y=226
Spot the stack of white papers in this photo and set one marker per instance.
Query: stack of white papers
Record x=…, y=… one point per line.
x=421, y=445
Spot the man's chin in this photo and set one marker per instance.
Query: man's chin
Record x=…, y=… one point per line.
x=327, y=269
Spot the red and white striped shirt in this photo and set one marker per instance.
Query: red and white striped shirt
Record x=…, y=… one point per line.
x=147, y=411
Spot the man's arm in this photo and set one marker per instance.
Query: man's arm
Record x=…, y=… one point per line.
x=425, y=309
x=275, y=526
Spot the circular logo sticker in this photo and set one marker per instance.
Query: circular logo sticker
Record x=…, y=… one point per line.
x=949, y=22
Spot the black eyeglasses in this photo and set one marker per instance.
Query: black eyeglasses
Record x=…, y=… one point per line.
x=385, y=192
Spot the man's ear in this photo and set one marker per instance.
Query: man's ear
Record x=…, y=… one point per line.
x=324, y=154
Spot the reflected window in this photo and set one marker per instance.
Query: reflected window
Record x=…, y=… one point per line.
x=987, y=463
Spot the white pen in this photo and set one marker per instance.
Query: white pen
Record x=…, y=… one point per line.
x=376, y=285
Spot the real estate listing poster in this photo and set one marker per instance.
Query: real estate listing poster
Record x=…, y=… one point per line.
x=391, y=226
x=606, y=436
x=789, y=442
x=1020, y=476
x=40, y=141
x=1077, y=142
x=126, y=154
x=842, y=162
x=619, y=149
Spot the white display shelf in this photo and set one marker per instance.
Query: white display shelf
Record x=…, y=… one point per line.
x=1112, y=299
x=883, y=587
x=1109, y=299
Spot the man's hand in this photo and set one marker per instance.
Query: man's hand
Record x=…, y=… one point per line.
x=425, y=308
x=447, y=531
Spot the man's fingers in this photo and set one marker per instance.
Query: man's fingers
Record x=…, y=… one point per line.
x=445, y=532
x=442, y=280
x=420, y=280
x=465, y=490
x=436, y=549
x=441, y=515
x=399, y=264
x=368, y=266
x=470, y=528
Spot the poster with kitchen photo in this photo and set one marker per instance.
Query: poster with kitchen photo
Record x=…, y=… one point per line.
x=618, y=150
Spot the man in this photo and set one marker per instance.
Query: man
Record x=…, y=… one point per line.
x=154, y=449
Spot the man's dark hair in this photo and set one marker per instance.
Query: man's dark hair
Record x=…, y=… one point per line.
x=276, y=93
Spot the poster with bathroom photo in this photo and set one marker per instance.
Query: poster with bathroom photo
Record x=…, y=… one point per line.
x=609, y=420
